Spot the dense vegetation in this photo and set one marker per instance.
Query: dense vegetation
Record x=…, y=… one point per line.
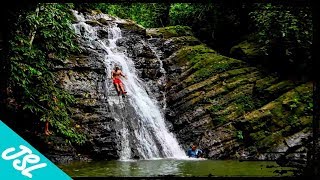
x=145, y=14
x=41, y=34
x=285, y=35
x=282, y=33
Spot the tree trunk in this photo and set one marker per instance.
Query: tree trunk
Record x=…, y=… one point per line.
x=34, y=29
x=164, y=17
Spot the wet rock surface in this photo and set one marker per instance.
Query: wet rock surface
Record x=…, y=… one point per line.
x=84, y=77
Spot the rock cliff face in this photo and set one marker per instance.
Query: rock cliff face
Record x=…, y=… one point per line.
x=231, y=109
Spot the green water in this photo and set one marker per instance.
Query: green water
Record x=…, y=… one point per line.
x=164, y=167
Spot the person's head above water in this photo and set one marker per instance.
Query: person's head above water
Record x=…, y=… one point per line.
x=193, y=147
x=116, y=68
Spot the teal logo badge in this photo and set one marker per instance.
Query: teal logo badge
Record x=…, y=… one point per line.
x=19, y=160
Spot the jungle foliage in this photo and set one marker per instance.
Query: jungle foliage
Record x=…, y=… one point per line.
x=283, y=32
x=39, y=34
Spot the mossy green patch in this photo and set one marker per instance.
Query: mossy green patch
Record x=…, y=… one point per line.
x=268, y=89
x=216, y=90
x=277, y=108
x=299, y=124
x=220, y=76
x=243, y=89
x=257, y=136
x=187, y=54
x=232, y=111
x=204, y=92
x=246, y=50
x=281, y=118
x=266, y=82
x=245, y=102
x=170, y=31
x=189, y=98
x=205, y=70
x=205, y=62
x=241, y=80
x=215, y=108
x=198, y=89
x=190, y=40
x=235, y=87
x=281, y=86
x=133, y=27
x=240, y=71
x=223, y=111
x=270, y=141
x=305, y=121
x=219, y=120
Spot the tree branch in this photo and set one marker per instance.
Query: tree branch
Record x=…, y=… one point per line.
x=33, y=34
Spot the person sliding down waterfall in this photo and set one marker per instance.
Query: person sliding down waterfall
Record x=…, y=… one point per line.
x=115, y=76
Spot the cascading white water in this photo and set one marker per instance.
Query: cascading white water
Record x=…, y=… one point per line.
x=163, y=79
x=153, y=140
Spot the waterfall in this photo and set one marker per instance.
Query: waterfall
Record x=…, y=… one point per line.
x=144, y=128
x=163, y=79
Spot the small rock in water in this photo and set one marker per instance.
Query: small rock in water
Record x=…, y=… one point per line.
x=104, y=21
x=280, y=171
x=136, y=157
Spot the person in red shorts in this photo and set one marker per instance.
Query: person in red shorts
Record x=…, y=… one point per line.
x=115, y=75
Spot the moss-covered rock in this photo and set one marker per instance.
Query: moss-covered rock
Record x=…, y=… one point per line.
x=248, y=51
x=191, y=40
x=173, y=44
x=132, y=27
x=204, y=62
x=104, y=21
x=261, y=107
x=170, y=31
x=275, y=121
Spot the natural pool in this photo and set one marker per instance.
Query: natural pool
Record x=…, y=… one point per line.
x=170, y=167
